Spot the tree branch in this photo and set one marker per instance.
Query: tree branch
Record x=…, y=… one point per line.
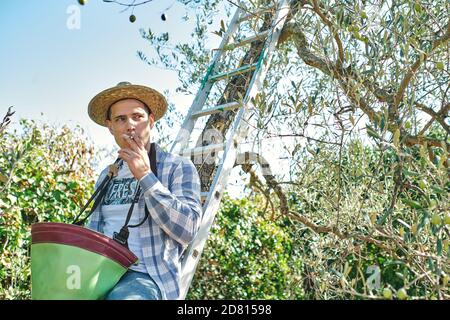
x=415, y=140
x=247, y=158
x=324, y=18
x=132, y=4
x=410, y=74
x=357, y=100
x=321, y=229
x=6, y=120
x=438, y=116
x=307, y=56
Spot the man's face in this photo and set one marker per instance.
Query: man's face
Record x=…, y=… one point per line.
x=130, y=117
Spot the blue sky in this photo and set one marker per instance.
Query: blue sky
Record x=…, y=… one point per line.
x=45, y=67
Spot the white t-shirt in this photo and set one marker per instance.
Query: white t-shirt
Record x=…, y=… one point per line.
x=115, y=206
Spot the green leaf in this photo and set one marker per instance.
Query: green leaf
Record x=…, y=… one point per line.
x=352, y=120
x=439, y=246
x=311, y=151
x=3, y=178
x=386, y=213
x=72, y=185
x=293, y=84
x=371, y=132
x=440, y=65
x=418, y=7
x=410, y=173
x=423, y=152
x=438, y=189
x=381, y=121
x=411, y=203
x=396, y=138
x=310, y=107
x=57, y=195
x=430, y=264
x=422, y=57
x=227, y=47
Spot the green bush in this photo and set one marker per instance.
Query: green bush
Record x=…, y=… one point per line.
x=47, y=176
x=247, y=256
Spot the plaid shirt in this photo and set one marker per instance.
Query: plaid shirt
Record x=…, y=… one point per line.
x=173, y=200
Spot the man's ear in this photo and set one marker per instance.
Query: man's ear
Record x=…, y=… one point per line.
x=109, y=125
x=151, y=119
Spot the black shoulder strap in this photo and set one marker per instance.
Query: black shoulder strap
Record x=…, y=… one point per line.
x=153, y=159
x=100, y=191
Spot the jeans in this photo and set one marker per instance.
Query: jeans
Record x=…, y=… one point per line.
x=135, y=286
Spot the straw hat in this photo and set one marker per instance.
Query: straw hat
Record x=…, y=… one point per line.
x=98, y=106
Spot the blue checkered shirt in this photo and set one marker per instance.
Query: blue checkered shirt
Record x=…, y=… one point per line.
x=173, y=201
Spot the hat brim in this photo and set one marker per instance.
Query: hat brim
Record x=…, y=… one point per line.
x=99, y=105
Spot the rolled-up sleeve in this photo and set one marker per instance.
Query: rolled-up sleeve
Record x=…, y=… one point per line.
x=176, y=209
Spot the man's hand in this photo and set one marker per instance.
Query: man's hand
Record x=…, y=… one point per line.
x=136, y=156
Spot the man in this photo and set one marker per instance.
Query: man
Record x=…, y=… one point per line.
x=172, y=197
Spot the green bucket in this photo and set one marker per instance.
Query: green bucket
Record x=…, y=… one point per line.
x=69, y=262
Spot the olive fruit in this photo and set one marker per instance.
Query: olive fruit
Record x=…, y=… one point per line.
x=387, y=293
x=436, y=219
x=401, y=294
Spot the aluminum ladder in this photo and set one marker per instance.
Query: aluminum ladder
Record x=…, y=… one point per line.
x=238, y=129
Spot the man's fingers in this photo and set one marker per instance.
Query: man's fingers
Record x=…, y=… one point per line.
x=122, y=155
x=128, y=152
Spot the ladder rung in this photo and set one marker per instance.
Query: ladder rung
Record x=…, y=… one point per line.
x=203, y=150
x=248, y=40
x=237, y=71
x=222, y=107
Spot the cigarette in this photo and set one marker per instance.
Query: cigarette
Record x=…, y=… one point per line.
x=128, y=136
